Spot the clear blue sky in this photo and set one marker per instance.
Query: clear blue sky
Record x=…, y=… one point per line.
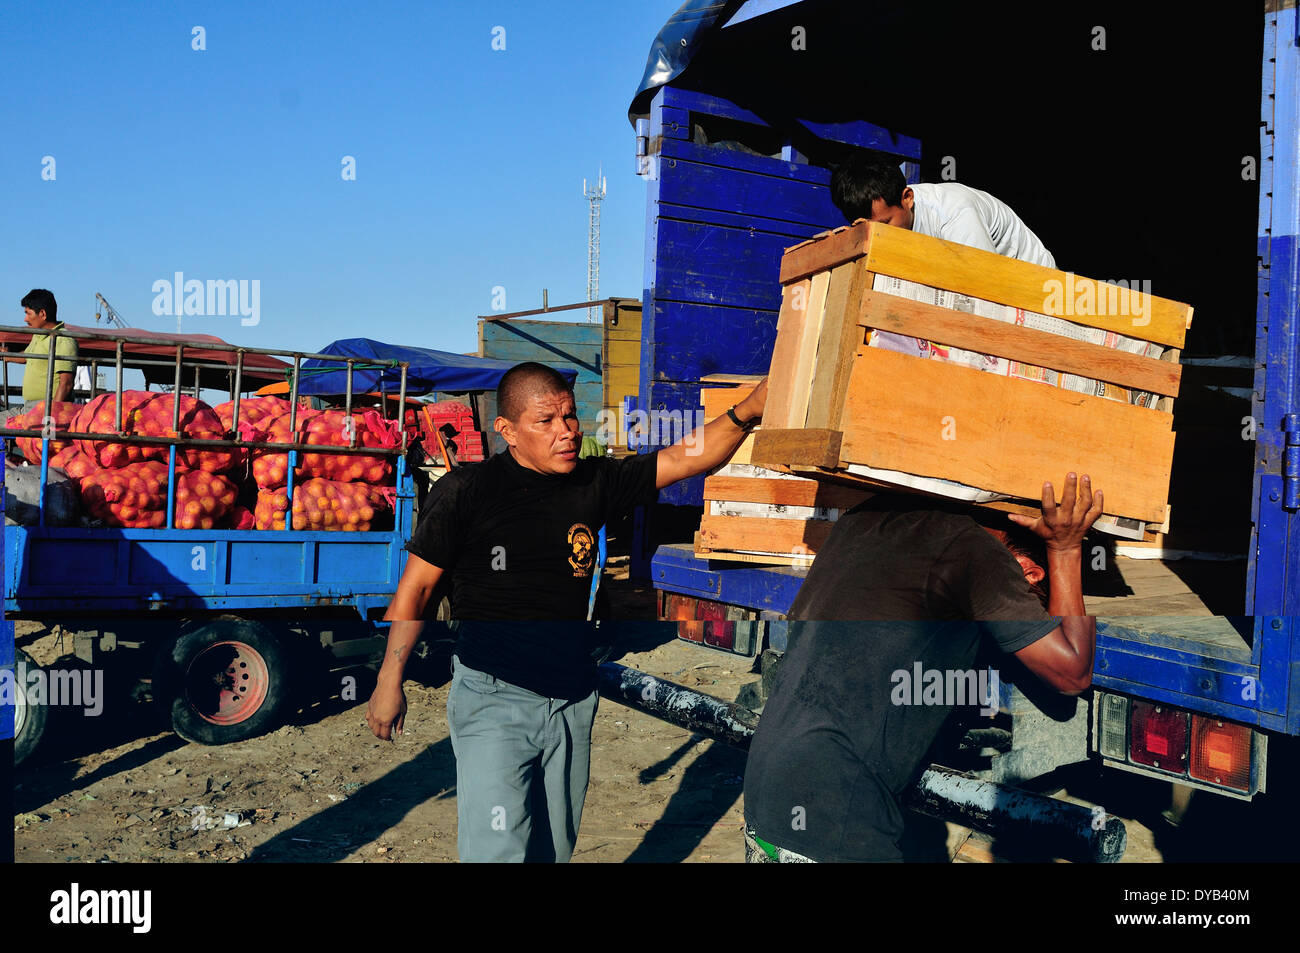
x=225, y=163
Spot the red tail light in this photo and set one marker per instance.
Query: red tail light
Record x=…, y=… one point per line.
x=1158, y=737
x=721, y=635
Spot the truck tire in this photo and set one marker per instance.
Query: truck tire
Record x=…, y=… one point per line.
x=29, y=720
x=225, y=680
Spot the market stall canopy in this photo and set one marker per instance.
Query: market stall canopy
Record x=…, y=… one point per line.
x=203, y=349
x=429, y=370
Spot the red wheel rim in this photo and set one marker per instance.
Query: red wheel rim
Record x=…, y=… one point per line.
x=227, y=682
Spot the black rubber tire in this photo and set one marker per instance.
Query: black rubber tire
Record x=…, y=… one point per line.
x=193, y=671
x=29, y=724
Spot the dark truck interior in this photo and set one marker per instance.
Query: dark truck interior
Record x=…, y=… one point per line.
x=1127, y=137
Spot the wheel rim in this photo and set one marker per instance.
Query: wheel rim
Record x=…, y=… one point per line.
x=227, y=683
x=20, y=707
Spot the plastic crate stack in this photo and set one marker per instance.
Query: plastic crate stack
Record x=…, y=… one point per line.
x=467, y=443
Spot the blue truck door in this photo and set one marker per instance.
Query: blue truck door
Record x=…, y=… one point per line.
x=1273, y=583
x=719, y=213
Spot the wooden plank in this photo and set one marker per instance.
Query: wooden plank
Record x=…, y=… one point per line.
x=868, y=485
x=716, y=400
x=957, y=423
x=841, y=336
x=1172, y=356
x=789, y=334
x=731, y=556
x=745, y=452
x=762, y=535
x=825, y=251
x=783, y=492
x=1029, y=346
x=982, y=274
x=782, y=448
x=623, y=353
x=578, y=334
x=751, y=379
x=806, y=358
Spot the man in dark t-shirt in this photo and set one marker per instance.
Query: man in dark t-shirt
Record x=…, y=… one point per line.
x=897, y=602
x=517, y=537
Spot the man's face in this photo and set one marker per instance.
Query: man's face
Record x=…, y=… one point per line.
x=34, y=319
x=546, y=437
x=900, y=215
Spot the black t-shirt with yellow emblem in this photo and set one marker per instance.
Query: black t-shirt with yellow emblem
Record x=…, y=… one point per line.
x=520, y=547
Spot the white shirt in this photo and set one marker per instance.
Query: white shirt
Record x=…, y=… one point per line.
x=957, y=213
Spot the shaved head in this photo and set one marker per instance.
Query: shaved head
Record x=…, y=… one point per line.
x=522, y=383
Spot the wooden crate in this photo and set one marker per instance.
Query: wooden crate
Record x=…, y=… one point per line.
x=763, y=515
x=838, y=407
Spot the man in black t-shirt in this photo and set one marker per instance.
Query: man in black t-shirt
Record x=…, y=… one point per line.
x=897, y=602
x=517, y=536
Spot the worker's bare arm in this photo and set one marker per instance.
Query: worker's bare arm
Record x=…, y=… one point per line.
x=709, y=446
x=63, y=386
x=386, y=711
x=1063, y=658
x=414, y=590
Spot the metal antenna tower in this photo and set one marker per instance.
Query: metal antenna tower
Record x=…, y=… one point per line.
x=595, y=195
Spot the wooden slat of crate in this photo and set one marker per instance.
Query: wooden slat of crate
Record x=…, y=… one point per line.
x=824, y=250
x=765, y=559
x=917, y=319
x=782, y=492
x=716, y=400
x=953, y=267
x=796, y=414
x=789, y=335
x=894, y=418
x=841, y=336
x=758, y=534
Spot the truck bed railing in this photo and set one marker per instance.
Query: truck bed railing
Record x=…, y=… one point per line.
x=122, y=362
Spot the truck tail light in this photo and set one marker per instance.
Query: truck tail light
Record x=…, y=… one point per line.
x=1112, y=730
x=1158, y=737
x=1220, y=752
x=711, y=611
x=720, y=635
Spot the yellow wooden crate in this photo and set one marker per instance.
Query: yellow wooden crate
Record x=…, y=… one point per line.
x=838, y=406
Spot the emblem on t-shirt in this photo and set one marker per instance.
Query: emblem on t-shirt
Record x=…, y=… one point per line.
x=583, y=546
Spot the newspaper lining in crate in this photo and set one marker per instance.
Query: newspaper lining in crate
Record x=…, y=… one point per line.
x=916, y=347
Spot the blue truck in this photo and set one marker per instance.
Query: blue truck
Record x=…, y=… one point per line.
x=735, y=174
x=228, y=623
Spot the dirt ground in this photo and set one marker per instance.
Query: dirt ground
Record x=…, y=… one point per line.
x=121, y=788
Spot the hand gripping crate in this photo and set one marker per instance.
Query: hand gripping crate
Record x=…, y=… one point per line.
x=905, y=361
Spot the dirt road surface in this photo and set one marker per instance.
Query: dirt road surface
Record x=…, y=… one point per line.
x=121, y=788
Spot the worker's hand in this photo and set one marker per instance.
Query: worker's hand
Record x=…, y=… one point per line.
x=1064, y=525
x=386, y=712
x=753, y=405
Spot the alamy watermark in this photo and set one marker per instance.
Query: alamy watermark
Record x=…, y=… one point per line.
x=65, y=688
x=658, y=428
x=947, y=687
x=1088, y=298
x=215, y=297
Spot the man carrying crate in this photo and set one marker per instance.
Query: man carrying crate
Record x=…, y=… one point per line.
x=517, y=537
x=897, y=602
x=875, y=189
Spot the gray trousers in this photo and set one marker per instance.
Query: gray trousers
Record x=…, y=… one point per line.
x=522, y=765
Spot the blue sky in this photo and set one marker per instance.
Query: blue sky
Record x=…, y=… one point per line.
x=226, y=163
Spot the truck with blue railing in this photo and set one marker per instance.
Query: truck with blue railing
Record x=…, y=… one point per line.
x=736, y=133
x=228, y=625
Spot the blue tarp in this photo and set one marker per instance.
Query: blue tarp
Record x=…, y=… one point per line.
x=429, y=370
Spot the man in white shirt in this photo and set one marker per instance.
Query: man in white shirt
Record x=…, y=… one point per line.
x=874, y=189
